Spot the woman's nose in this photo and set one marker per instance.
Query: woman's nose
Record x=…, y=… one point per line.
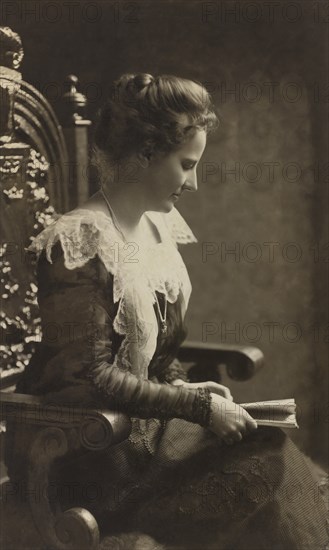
x=192, y=183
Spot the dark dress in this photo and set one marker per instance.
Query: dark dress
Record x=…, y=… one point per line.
x=172, y=478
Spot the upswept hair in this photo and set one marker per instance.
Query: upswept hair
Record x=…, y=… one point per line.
x=143, y=114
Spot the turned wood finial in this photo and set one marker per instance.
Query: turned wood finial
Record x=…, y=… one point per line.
x=73, y=101
x=71, y=111
x=11, y=49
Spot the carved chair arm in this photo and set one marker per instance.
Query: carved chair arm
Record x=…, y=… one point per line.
x=96, y=429
x=58, y=431
x=241, y=362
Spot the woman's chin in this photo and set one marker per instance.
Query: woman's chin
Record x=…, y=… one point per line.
x=165, y=207
x=168, y=207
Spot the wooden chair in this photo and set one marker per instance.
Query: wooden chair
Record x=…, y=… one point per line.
x=36, y=152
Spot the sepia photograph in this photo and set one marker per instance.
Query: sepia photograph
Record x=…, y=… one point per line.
x=164, y=275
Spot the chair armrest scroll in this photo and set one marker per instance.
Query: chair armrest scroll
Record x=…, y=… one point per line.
x=241, y=362
x=96, y=429
x=57, y=431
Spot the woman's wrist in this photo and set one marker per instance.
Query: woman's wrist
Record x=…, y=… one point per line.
x=202, y=407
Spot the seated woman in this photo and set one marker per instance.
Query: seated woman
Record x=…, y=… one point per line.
x=196, y=472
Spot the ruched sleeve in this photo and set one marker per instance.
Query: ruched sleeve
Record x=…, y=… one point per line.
x=79, y=346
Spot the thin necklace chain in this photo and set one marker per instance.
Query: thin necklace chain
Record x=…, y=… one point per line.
x=115, y=221
x=163, y=318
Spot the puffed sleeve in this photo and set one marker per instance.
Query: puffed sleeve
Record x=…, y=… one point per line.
x=77, y=312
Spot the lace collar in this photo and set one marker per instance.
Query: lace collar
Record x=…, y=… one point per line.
x=171, y=227
x=137, y=274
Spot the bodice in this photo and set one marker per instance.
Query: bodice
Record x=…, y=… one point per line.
x=128, y=286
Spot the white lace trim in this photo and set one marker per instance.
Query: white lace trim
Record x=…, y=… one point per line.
x=137, y=273
x=179, y=230
x=173, y=224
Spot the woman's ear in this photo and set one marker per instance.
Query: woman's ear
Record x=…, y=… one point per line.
x=143, y=159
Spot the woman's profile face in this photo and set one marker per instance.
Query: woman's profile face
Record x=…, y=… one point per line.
x=168, y=176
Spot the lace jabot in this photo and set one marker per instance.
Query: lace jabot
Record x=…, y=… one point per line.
x=138, y=271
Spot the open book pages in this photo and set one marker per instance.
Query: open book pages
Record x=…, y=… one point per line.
x=280, y=413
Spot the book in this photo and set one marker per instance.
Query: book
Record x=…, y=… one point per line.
x=280, y=413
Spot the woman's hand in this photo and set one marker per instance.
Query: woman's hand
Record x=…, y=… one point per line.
x=229, y=421
x=219, y=389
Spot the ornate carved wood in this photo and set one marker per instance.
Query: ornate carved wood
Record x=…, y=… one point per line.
x=74, y=528
x=42, y=175
x=30, y=142
x=28, y=119
x=53, y=432
x=36, y=124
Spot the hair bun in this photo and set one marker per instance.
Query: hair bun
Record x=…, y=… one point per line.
x=142, y=80
x=132, y=84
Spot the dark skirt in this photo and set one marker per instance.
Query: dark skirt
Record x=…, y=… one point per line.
x=175, y=481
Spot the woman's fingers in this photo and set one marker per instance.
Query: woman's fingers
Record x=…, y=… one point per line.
x=251, y=424
x=178, y=382
x=220, y=390
x=233, y=438
x=226, y=392
x=228, y=420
